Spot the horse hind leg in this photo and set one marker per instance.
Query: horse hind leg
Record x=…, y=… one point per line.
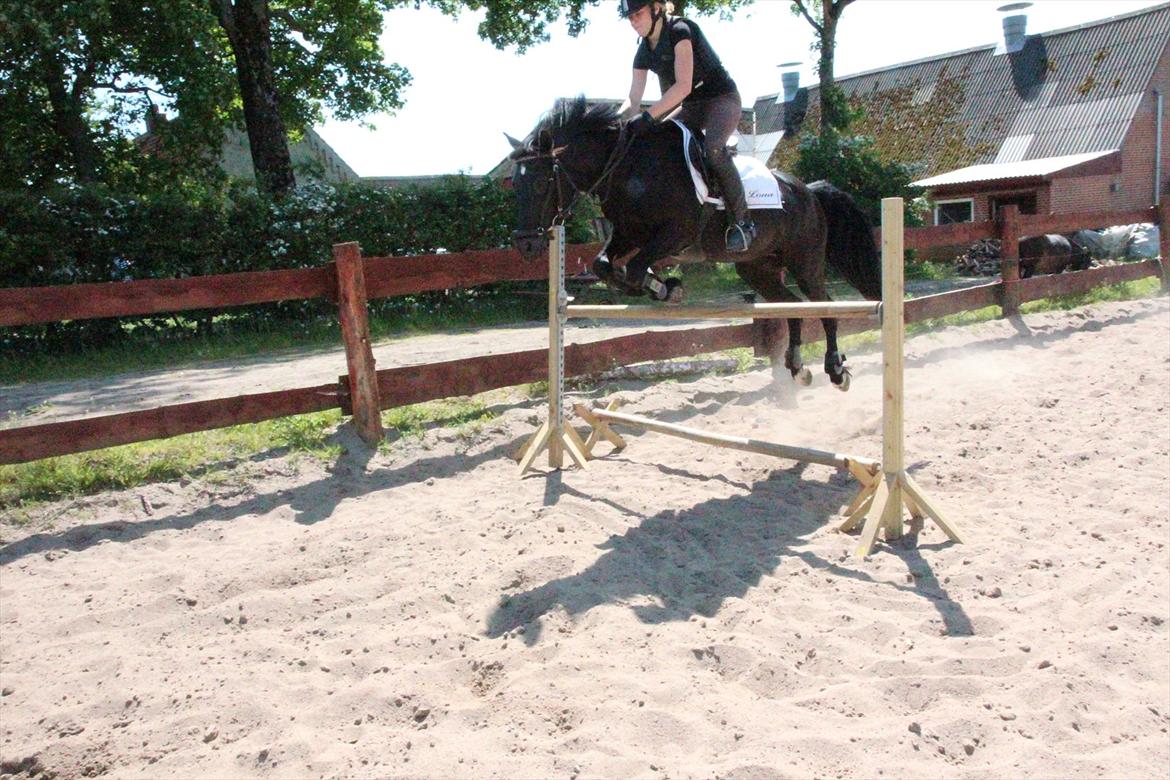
x=766, y=276
x=839, y=373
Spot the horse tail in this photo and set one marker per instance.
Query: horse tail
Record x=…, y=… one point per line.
x=851, y=249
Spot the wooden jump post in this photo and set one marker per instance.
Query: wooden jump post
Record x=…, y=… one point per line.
x=885, y=487
x=882, y=510
x=556, y=434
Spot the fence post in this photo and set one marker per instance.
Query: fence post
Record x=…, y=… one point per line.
x=355, y=332
x=1009, y=269
x=1164, y=243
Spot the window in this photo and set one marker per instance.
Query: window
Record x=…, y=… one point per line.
x=948, y=212
x=1025, y=200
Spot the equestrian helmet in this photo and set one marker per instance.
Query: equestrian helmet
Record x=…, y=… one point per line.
x=628, y=7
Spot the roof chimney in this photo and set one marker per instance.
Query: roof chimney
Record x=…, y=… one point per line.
x=154, y=119
x=1015, y=28
x=789, y=80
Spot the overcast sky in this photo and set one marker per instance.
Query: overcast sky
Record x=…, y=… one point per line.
x=466, y=93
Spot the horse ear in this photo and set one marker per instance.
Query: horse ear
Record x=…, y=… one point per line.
x=516, y=145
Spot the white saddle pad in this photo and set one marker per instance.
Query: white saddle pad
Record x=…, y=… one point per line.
x=759, y=185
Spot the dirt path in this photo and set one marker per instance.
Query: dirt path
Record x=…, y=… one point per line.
x=44, y=402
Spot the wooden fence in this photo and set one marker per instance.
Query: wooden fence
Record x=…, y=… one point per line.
x=352, y=280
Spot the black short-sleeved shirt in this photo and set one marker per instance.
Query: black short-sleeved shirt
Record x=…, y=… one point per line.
x=710, y=78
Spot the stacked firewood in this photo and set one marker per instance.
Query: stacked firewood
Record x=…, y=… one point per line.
x=981, y=258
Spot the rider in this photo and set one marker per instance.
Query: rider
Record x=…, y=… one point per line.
x=690, y=74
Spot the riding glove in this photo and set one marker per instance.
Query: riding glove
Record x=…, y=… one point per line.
x=640, y=124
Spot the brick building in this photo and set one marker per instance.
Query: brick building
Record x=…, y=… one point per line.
x=1058, y=122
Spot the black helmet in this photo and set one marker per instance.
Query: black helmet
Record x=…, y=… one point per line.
x=627, y=7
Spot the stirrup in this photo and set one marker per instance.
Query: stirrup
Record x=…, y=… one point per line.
x=739, y=236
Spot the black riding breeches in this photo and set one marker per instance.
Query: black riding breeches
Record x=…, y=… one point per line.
x=718, y=117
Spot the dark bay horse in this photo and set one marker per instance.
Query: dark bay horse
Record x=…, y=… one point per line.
x=646, y=192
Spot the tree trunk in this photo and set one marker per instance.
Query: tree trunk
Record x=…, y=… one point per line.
x=246, y=23
x=829, y=108
x=69, y=121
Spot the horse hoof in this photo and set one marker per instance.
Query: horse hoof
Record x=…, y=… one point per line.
x=802, y=376
x=675, y=294
x=603, y=268
x=846, y=378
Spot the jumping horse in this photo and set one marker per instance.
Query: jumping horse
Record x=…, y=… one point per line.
x=646, y=192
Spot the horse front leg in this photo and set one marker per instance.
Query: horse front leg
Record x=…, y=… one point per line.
x=614, y=276
x=638, y=277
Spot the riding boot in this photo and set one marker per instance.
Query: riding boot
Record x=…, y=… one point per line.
x=740, y=229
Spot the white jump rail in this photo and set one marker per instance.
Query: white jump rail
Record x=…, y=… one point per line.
x=760, y=311
x=885, y=487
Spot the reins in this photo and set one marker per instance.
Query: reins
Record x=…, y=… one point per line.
x=620, y=149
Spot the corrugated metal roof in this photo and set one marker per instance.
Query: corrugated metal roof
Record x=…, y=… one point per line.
x=1011, y=170
x=1075, y=91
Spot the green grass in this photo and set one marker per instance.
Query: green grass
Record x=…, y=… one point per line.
x=467, y=415
x=931, y=271
x=1126, y=291
x=211, y=455
x=208, y=454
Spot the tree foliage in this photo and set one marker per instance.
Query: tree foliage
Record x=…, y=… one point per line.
x=525, y=23
x=79, y=75
x=74, y=73
x=853, y=164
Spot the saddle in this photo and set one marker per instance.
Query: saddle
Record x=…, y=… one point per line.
x=759, y=185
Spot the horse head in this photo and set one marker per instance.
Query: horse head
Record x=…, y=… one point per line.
x=554, y=166
x=539, y=193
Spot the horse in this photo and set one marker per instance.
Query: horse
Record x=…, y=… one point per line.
x=1050, y=254
x=646, y=192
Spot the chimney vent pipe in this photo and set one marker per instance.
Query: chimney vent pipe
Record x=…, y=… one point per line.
x=1015, y=28
x=789, y=81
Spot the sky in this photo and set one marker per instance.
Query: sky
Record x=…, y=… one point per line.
x=466, y=93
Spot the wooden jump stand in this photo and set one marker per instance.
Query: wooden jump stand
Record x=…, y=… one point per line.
x=556, y=434
x=885, y=487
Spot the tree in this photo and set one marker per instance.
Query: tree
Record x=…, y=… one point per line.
x=78, y=75
x=294, y=58
x=824, y=15
x=248, y=29
x=53, y=55
x=524, y=23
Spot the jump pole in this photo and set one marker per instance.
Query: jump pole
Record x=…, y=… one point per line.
x=886, y=487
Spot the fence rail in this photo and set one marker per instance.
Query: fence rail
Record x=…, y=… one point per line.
x=385, y=277
x=402, y=385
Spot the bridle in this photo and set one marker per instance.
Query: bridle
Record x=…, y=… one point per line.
x=558, y=172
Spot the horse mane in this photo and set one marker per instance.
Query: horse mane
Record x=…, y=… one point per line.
x=576, y=115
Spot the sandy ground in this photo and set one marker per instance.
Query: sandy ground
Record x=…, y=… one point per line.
x=675, y=610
